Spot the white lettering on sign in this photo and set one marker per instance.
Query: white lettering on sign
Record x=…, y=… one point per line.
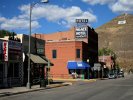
x=122, y=22
x=79, y=64
x=5, y=51
x=81, y=32
x=81, y=20
x=81, y=29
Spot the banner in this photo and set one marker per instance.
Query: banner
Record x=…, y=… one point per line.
x=5, y=51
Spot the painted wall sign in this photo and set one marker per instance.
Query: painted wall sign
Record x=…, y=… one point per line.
x=5, y=51
x=81, y=32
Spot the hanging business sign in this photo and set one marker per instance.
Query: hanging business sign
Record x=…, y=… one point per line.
x=15, y=45
x=81, y=32
x=5, y=51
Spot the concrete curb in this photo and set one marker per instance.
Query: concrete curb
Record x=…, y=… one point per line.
x=75, y=80
x=32, y=90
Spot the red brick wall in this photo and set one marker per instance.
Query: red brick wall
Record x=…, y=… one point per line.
x=66, y=51
x=66, y=35
x=108, y=60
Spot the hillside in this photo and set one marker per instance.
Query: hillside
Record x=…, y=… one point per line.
x=118, y=37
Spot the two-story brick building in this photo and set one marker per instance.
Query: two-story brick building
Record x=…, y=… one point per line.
x=70, y=50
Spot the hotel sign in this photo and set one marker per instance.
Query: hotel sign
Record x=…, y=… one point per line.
x=81, y=32
x=81, y=20
x=5, y=51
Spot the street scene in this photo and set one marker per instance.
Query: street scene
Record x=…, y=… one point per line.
x=121, y=89
x=66, y=49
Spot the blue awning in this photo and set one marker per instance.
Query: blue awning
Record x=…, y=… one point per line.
x=77, y=65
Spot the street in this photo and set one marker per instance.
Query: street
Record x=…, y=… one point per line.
x=110, y=89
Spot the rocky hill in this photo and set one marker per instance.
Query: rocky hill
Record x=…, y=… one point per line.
x=118, y=37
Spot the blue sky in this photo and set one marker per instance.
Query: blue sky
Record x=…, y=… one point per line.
x=59, y=15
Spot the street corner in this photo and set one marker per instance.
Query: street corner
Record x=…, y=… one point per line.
x=58, y=85
x=67, y=83
x=90, y=80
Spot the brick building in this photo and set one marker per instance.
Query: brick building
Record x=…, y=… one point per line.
x=11, y=73
x=108, y=60
x=64, y=47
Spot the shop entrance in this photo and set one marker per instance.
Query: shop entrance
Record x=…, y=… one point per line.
x=79, y=73
x=1, y=75
x=13, y=74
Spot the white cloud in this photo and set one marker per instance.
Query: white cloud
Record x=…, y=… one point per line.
x=118, y=6
x=16, y=23
x=2, y=19
x=122, y=6
x=52, y=13
x=101, y=2
x=55, y=13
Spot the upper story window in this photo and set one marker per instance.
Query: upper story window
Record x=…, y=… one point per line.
x=54, y=54
x=77, y=53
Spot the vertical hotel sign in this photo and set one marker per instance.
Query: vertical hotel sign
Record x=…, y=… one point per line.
x=81, y=29
x=5, y=51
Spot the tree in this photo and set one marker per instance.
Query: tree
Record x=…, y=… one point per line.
x=107, y=52
x=6, y=33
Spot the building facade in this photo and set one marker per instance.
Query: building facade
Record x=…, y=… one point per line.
x=14, y=60
x=61, y=52
x=37, y=57
x=79, y=44
x=108, y=61
x=11, y=68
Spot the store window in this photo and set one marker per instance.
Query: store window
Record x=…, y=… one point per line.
x=16, y=70
x=13, y=70
x=10, y=70
x=77, y=53
x=54, y=54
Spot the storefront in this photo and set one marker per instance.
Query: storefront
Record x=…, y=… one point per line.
x=38, y=61
x=78, y=69
x=1, y=65
x=12, y=64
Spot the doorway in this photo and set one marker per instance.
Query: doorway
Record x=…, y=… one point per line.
x=1, y=75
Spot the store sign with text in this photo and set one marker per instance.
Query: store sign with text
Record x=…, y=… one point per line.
x=15, y=45
x=81, y=20
x=81, y=32
x=5, y=51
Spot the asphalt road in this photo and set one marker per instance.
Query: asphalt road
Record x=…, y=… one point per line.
x=112, y=89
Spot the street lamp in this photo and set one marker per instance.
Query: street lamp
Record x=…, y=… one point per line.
x=31, y=7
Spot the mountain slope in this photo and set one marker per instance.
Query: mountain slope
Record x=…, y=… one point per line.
x=118, y=37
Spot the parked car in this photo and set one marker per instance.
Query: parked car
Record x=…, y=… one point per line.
x=121, y=74
x=112, y=76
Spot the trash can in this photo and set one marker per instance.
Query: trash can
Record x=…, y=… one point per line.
x=43, y=83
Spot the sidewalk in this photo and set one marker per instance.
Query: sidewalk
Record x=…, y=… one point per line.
x=74, y=80
x=19, y=90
